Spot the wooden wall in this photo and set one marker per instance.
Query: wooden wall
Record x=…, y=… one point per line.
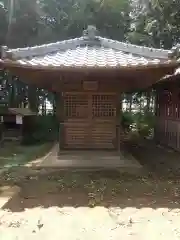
x=90, y=120
x=86, y=85
x=167, y=129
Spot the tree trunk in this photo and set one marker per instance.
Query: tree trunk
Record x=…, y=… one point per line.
x=148, y=100
x=33, y=98
x=130, y=103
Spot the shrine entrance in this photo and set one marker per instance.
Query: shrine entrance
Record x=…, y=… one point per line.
x=89, y=120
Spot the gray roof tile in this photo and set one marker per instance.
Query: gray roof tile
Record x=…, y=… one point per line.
x=88, y=57
x=87, y=52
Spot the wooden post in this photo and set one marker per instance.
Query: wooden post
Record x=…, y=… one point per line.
x=60, y=117
x=157, y=116
x=118, y=119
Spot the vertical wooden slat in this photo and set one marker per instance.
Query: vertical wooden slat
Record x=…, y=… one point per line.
x=60, y=113
x=118, y=118
x=178, y=135
x=76, y=110
x=104, y=120
x=90, y=120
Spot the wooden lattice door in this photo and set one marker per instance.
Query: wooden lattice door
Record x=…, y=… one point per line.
x=89, y=120
x=103, y=121
x=76, y=120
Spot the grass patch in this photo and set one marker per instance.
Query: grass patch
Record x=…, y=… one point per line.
x=14, y=154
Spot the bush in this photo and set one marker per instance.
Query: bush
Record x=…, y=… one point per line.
x=142, y=123
x=127, y=121
x=45, y=129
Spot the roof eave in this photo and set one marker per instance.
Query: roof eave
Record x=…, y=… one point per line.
x=15, y=64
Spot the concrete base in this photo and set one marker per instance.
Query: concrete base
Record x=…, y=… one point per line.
x=89, y=159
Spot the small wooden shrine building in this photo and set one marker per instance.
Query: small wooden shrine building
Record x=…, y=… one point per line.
x=16, y=123
x=89, y=74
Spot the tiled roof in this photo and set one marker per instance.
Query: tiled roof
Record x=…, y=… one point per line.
x=177, y=72
x=87, y=51
x=88, y=57
x=17, y=111
x=175, y=75
x=21, y=111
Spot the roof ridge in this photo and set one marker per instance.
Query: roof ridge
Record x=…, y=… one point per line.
x=39, y=50
x=135, y=49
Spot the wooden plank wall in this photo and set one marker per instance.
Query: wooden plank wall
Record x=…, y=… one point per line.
x=168, y=133
x=101, y=85
x=76, y=130
x=167, y=129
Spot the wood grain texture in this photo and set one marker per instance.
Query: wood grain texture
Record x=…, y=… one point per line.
x=90, y=120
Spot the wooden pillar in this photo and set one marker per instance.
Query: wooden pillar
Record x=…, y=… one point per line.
x=118, y=119
x=157, y=115
x=60, y=117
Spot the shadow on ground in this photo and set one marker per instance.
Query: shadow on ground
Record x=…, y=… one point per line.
x=157, y=159
x=90, y=189
x=157, y=187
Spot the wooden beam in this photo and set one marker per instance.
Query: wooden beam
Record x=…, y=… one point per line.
x=125, y=80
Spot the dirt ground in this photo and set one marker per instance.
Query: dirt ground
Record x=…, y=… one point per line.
x=158, y=160
x=100, y=205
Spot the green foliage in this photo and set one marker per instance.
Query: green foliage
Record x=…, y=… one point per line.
x=23, y=23
x=127, y=121
x=144, y=123
x=156, y=23
x=140, y=122
x=153, y=23
x=37, y=22
x=1, y=131
x=12, y=154
x=69, y=18
x=3, y=23
x=45, y=129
